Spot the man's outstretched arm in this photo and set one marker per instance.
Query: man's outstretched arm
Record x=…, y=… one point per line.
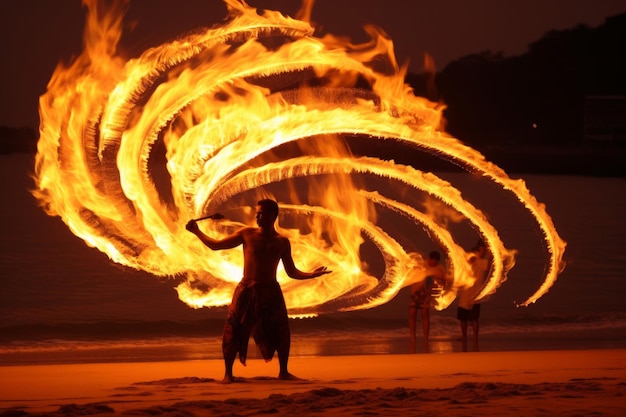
x=228, y=242
x=295, y=273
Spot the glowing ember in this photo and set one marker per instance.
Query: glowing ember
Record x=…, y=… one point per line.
x=129, y=151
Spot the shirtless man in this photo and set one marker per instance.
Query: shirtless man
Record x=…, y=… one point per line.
x=468, y=310
x=258, y=306
x=421, y=297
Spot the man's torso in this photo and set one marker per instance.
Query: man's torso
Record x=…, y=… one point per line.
x=261, y=252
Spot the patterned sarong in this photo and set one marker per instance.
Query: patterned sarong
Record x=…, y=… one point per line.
x=421, y=298
x=257, y=309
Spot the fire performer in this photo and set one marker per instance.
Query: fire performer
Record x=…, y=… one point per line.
x=258, y=306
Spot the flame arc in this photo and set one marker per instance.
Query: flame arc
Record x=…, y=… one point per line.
x=129, y=150
x=308, y=166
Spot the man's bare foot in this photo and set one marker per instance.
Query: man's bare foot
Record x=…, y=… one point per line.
x=286, y=376
x=228, y=379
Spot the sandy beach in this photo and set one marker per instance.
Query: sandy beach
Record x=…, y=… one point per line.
x=559, y=382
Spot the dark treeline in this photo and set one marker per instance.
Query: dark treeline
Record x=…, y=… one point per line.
x=527, y=112
x=523, y=112
x=536, y=98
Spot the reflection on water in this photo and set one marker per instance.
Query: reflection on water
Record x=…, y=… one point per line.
x=303, y=345
x=352, y=344
x=443, y=345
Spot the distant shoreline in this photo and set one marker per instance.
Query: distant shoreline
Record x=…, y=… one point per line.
x=585, y=160
x=598, y=161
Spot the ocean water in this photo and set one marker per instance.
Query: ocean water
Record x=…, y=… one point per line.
x=63, y=302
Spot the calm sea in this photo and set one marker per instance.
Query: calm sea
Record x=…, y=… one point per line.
x=62, y=302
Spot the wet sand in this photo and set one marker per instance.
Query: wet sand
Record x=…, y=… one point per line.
x=555, y=383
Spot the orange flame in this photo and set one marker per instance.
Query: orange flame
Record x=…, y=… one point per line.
x=130, y=150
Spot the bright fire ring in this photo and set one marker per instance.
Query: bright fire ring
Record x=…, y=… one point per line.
x=130, y=150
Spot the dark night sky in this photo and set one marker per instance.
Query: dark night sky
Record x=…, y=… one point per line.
x=36, y=34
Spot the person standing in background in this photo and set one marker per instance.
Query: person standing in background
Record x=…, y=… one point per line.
x=468, y=310
x=422, y=295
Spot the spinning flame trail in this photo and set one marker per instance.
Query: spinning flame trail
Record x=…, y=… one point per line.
x=130, y=150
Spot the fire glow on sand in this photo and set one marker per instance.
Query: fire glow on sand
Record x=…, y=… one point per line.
x=260, y=106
